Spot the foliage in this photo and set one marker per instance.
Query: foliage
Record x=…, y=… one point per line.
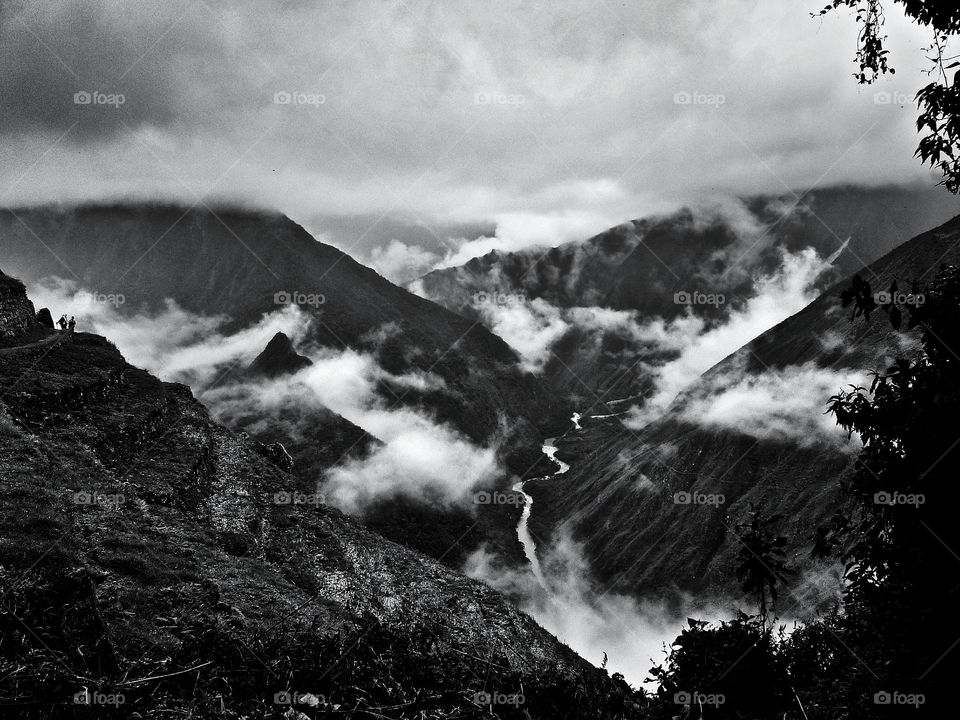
x=761, y=562
x=939, y=100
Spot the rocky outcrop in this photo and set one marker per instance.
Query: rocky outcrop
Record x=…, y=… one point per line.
x=44, y=318
x=16, y=311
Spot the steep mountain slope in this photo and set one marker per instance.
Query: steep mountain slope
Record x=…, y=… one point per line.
x=750, y=430
x=155, y=560
x=243, y=264
x=641, y=266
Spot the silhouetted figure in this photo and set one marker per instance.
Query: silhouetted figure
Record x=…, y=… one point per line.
x=62, y=322
x=72, y=324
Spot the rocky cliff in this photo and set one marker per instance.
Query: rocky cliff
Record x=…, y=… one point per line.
x=16, y=311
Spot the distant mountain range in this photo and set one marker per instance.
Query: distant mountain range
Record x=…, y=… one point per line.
x=750, y=430
x=643, y=265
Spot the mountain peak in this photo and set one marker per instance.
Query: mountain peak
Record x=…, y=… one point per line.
x=278, y=358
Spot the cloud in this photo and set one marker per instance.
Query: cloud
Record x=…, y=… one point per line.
x=418, y=457
x=174, y=344
x=402, y=263
x=775, y=298
x=530, y=327
x=786, y=404
x=631, y=633
x=598, y=138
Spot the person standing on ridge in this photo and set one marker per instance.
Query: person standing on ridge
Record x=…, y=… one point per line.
x=72, y=324
x=62, y=322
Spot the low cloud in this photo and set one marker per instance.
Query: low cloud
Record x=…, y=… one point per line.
x=401, y=262
x=418, y=457
x=630, y=633
x=775, y=298
x=173, y=344
x=779, y=404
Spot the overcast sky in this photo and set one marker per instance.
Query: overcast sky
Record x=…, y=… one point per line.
x=547, y=119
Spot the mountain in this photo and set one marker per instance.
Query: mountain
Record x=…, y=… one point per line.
x=646, y=503
x=278, y=358
x=244, y=264
x=642, y=267
x=157, y=562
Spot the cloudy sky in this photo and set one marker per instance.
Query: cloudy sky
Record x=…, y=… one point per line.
x=398, y=127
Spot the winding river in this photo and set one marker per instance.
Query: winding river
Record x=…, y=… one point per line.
x=523, y=527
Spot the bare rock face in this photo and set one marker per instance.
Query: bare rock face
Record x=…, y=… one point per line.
x=16, y=311
x=44, y=318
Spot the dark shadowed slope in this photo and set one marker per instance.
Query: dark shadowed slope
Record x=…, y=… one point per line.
x=149, y=553
x=768, y=443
